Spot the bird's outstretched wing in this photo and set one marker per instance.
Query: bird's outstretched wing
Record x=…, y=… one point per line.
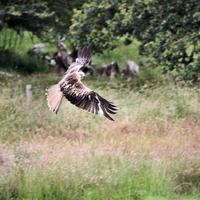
x=84, y=55
x=84, y=98
x=83, y=59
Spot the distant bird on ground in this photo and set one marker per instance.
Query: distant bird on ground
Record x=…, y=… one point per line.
x=71, y=87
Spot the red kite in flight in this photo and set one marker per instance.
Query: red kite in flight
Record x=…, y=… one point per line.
x=71, y=87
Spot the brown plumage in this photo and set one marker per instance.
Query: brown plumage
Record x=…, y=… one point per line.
x=76, y=92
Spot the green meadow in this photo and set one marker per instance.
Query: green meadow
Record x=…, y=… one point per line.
x=150, y=152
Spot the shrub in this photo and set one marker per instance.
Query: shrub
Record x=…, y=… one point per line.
x=11, y=61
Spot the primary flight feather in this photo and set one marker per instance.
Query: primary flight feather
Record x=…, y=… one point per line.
x=71, y=87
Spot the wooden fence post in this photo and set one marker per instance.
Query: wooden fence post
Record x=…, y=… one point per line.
x=29, y=95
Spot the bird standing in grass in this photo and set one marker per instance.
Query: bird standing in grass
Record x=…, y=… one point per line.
x=71, y=87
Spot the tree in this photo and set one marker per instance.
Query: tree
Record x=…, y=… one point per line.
x=168, y=30
x=42, y=18
x=46, y=19
x=100, y=22
x=170, y=34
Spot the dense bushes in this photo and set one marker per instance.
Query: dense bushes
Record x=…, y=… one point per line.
x=43, y=18
x=10, y=60
x=168, y=30
x=170, y=34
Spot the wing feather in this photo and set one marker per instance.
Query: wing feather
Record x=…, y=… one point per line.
x=81, y=96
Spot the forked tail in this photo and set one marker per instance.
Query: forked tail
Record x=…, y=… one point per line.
x=54, y=98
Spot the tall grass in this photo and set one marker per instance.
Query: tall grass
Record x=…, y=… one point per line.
x=159, y=103
x=150, y=152
x=102, y=178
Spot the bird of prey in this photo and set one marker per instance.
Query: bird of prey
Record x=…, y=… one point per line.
x=71, y=87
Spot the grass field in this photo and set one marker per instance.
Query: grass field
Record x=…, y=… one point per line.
x=150, y=152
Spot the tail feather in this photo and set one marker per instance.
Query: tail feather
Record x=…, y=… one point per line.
x=54, y=98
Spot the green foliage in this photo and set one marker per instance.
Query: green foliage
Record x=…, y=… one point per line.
x=170, y=34
x=103, y=179
x=14, y=52
x=99, y=23
x=12, y=61
x=46, y=19
x=120, y=54
x=168, y=30
x=123, y=181
x=18, y=15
